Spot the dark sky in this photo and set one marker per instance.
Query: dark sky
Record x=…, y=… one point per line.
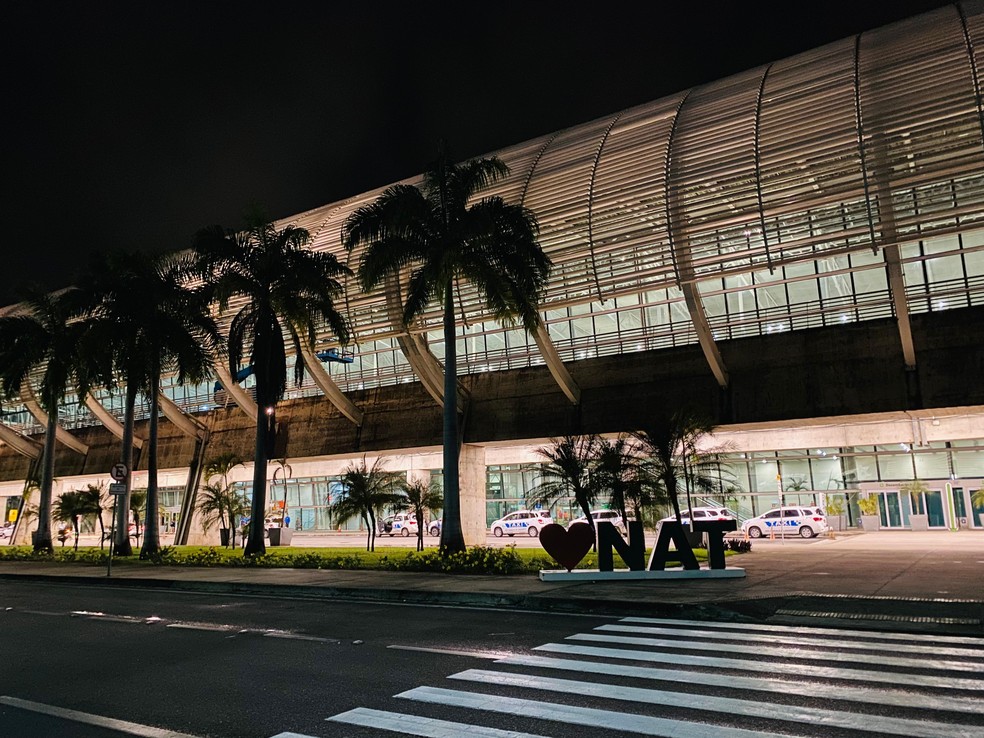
x=134, y=124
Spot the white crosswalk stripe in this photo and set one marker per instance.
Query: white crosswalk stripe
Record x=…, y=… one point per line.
x=642, y=677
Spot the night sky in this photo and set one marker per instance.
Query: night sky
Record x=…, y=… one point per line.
x=134, y=124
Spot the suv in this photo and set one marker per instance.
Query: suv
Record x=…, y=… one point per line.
x=529, y=522
x=608, y=516
x=804, y=522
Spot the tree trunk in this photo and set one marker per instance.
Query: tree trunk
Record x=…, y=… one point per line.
x=121, y=546
x=152, y=538
x=452, y=539
x=42, y=541
x=254, y=545
x=75, y=527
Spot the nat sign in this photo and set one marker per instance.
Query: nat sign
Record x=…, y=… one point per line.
x=569, y=546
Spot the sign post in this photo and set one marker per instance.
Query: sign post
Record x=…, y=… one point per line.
x=119, y=473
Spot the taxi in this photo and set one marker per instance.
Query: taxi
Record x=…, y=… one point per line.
x=404, y=524
x=530, y=522
x=797, y=521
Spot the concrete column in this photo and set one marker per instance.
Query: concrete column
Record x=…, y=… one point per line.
x=472, y=476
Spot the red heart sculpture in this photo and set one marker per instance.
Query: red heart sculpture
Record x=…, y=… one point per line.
x=567, y=546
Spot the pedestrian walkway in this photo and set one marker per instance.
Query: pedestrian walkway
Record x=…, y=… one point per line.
x=672, y=678
x=925, y=582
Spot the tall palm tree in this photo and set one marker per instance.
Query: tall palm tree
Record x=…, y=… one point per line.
x=154, y=325
x=69, y=507
x=281, y=287
x=670, y=445
x=420, y=497
x=365, y=490
x=568, y=473
x=445, y=237
x=49, y=335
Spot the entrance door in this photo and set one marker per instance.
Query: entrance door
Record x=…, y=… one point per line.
x=889, y=510
x=934, y=508
x=976, y=511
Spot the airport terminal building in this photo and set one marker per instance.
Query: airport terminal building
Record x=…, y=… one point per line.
x=796, y=250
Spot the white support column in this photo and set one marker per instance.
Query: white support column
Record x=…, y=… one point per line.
x=240, y=396
x=549, y=353
x=20, y=443
x=711, y=352
x=327, y=385
x=109, y=420
x=61, y=435
x=471, y=484
x=185, y=423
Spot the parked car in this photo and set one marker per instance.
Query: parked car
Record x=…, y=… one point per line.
x=434, y=527
x=404, y=524
x=608, y=516
x=701, y=513
x=530, y=522
x=804, y=522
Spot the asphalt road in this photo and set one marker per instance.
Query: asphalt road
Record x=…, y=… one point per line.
x=257, y=667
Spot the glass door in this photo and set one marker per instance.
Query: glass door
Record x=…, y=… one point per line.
x=889, y=510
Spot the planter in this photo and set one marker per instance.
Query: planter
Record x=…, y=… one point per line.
x=280, y=536
x=980, y=519
x=835, y=522
x=919, y=522
x=870, y=523
x=224, y=537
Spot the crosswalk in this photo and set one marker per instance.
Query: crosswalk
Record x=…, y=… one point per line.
x=687, y=679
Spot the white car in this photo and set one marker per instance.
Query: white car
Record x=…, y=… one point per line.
x=530, y=522
x=701, y=513
x=608, y=516
x=804, y=522
x=404, y=524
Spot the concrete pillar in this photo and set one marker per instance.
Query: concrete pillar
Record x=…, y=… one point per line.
x=471, y=475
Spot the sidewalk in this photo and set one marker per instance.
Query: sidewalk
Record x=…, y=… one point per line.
x=921, y=582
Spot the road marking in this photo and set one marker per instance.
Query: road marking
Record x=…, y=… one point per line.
x=455, y=652
x=802, y=687
x=779, y=667
x=614, y=722
x=201, y=626
x=422, y=726
x=123, y=726
x=780, y=638
x=728, y=705
x=845, y=634
x=816, y=654
x=299, y=637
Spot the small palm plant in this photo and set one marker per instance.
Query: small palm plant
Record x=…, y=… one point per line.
x=420, y=497
x=69, y=507
x=94, y=497
x=366, y=490
x=218, y=500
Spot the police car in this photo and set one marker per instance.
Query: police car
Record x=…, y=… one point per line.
x=804, y=522
x=530, y=522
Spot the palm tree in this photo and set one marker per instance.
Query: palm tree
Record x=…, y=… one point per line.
x=418, y=497
x=153, y=325
x=568, y=473
x=445, y=242
x=48, y=335
x=68, y=508
x=280, y=287
x=221, y=500
x=669, y=444
x=94, y=497
x=617, y=471
x=366, y=490
x=213, y=504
